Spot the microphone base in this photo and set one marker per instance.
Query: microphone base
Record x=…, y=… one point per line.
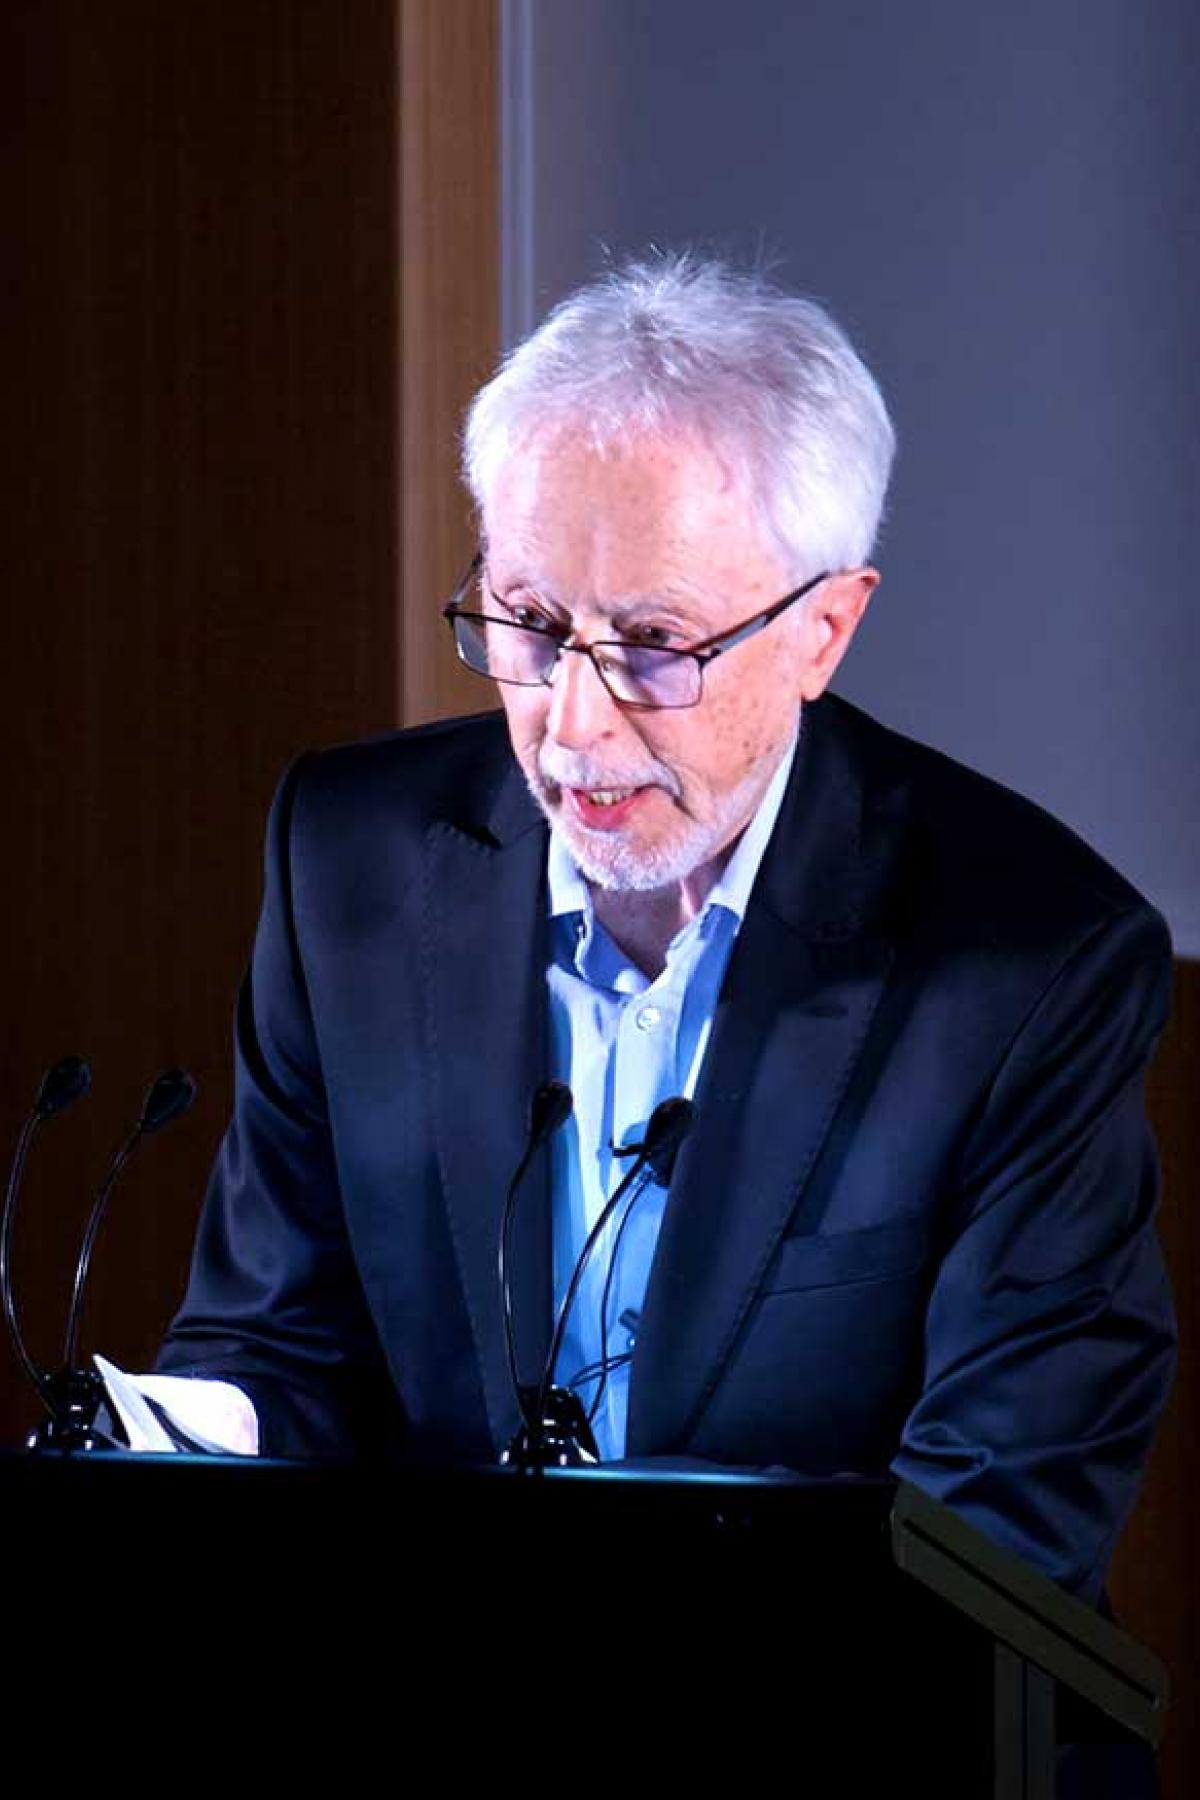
x=562, y=1439
x=76, y=1396
x=50, y=1440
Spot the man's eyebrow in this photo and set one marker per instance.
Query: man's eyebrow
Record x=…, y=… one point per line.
x=686, y=600
x=672, y=593
x=518, y=579
x=681, y=596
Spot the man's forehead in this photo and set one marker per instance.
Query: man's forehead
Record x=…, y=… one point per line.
x=646, y=517
x=570, y=454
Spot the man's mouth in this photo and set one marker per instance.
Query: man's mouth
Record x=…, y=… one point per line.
x=599, y=799
x=606, y=796
x=603, y=809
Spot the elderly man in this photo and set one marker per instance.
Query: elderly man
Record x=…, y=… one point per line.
x=910, y=1227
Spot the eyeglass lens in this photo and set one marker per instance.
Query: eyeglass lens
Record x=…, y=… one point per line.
x=637, y=674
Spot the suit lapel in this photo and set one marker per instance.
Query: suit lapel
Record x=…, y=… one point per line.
x=484, y=942
x=795, y=1010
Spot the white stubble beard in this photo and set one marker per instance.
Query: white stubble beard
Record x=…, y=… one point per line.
x=607, y=859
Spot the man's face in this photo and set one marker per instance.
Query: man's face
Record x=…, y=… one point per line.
x=653, y=541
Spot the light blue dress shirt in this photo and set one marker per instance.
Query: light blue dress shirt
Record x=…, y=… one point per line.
x=622, y=1043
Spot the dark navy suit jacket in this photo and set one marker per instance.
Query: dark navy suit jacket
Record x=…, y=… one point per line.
x=911, y=1227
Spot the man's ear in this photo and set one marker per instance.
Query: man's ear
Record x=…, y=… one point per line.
x=831, y=619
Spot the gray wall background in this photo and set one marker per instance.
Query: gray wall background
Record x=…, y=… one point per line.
x=1001, y=204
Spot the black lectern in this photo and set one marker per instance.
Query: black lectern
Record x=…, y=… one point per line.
x=845, y=1636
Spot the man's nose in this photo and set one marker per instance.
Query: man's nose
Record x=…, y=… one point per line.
x=582, y=711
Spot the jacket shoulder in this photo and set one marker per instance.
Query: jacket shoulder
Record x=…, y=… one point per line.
x=975, y=849
x=453, y=770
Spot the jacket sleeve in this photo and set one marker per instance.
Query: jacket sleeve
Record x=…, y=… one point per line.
x=1049, y=1338
x=274, y=1303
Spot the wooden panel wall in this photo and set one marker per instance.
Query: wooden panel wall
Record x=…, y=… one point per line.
x=228, y=494
x=450, y=298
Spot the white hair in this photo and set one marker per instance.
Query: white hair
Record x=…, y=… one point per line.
x=679, y=343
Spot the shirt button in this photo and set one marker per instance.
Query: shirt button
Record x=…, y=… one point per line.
x=647, y=1018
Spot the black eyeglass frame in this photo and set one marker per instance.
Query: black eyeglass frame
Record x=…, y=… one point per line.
x=701, y=654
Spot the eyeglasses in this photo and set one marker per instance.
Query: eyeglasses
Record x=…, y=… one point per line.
x=636, y=675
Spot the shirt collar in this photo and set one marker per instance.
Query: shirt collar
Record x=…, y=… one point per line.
x=568, y=891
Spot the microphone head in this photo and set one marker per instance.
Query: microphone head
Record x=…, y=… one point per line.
x=171, y=1093
x=669, y=1124
x=62, y=1085
x=550, y=1107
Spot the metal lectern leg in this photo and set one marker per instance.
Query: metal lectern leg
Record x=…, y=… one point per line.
x=1024, y=1728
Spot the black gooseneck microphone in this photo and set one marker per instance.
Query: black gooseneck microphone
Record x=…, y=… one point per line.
x=560, y=1433
x=169, y=1095
x=72, y=1395
x=68, y=1080
x=550, y=1107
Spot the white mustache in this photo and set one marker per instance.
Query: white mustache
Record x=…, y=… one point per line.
x=575, y=769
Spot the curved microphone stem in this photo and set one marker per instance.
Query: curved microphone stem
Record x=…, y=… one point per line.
x=549, y=1108
x=169, y=1095
x=639, y=1173
x=605, y=1298
x=668, y=1125
x=99, y=1206
x=74, y=1395
x=60, y=1087
x=36, y=1375
x=510, y=1340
